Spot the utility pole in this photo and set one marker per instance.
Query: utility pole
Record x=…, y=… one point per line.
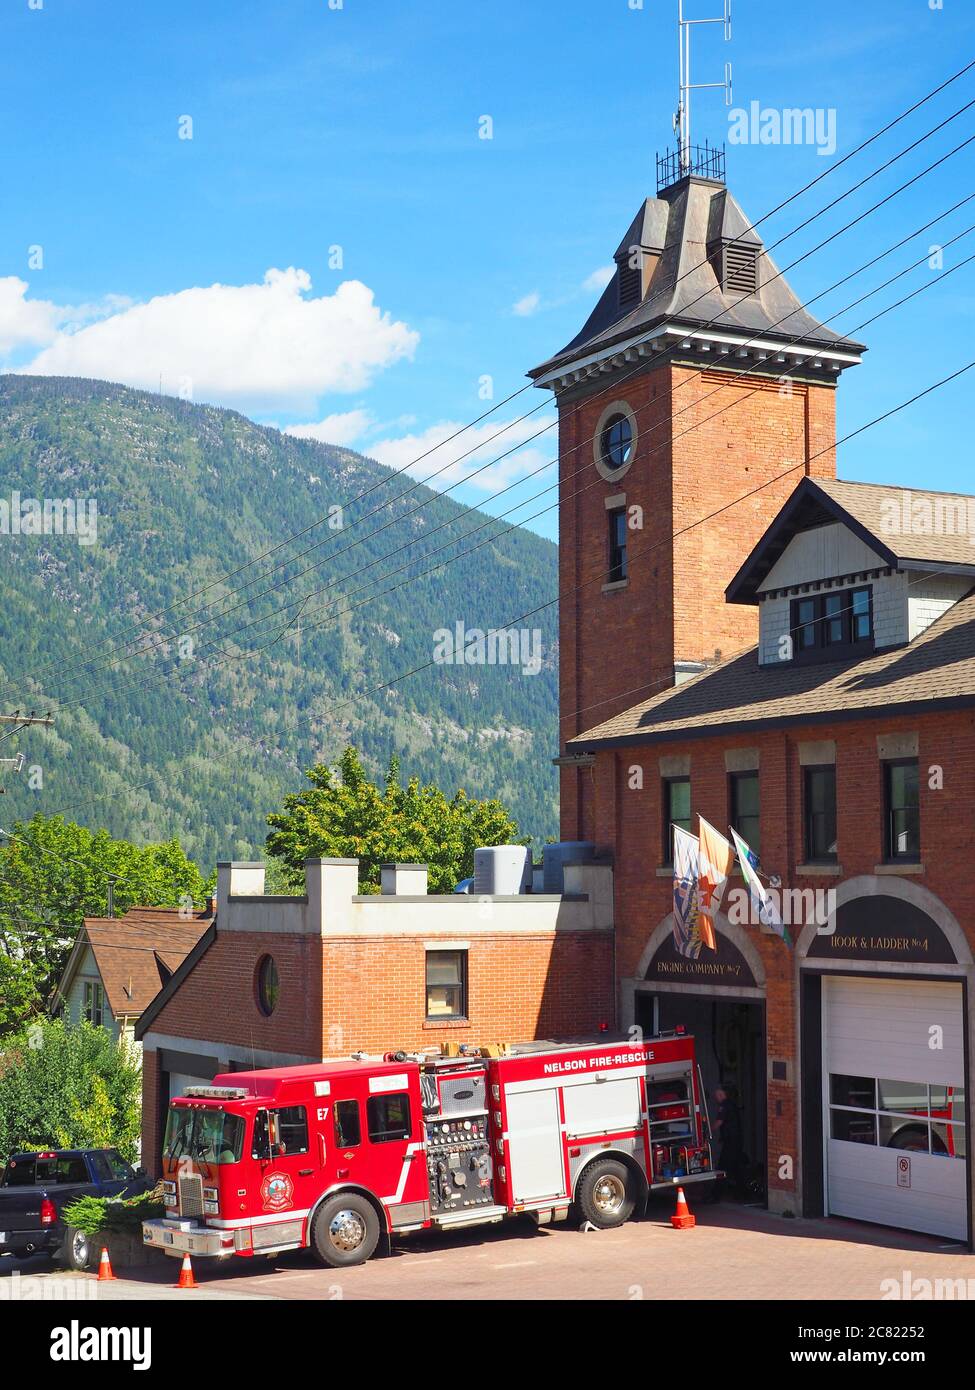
x=22, y=721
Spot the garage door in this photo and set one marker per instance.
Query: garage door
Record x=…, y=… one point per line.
x=894, y=1067
x=180, y=1082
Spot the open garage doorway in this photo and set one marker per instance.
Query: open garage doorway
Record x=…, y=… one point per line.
x=730, y=1046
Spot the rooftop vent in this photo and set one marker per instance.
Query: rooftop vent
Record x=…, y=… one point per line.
x=735, y=265
x=740, y=267
x=629, y=279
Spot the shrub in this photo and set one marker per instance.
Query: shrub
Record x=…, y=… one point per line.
x=120, y=1217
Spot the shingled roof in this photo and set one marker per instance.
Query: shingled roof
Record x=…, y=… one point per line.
x=904, y=526
x=937, y=671
x=681, y=228
x=928, y=528
x=136, y=954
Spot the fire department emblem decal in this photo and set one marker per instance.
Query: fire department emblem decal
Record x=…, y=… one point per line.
x=277, y=1192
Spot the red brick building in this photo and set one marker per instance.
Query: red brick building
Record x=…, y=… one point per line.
x=700, y=515
x=275, y=981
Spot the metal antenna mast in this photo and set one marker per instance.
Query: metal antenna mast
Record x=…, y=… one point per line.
x=682, y=117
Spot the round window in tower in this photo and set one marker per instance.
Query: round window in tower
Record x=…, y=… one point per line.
x=615, y=441
x=268, y=985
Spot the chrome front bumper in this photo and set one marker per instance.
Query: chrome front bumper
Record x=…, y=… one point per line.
x=175, y=1237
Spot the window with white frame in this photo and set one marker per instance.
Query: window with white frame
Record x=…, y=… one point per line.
x=94, y=1010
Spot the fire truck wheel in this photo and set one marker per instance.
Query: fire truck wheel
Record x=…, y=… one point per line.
x=605, y=1195
x=345, y=1230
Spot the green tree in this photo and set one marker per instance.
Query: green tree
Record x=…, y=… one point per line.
x=348, y=816
x=64, y=1087
x=53, y=874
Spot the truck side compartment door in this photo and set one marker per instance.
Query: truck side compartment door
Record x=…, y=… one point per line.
x=535, y=1151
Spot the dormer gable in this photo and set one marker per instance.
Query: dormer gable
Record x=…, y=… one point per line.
x=846, y=569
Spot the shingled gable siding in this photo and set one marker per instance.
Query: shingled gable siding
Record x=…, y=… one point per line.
x=615, y=646
x=628, y=822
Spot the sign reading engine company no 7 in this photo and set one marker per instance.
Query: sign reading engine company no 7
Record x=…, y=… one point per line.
x=725, y=966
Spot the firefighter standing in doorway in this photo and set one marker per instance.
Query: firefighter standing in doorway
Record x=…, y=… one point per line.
x=728, y=1126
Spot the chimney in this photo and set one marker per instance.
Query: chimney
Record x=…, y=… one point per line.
x=238, y=880
x=403, y=880
x=330, y=885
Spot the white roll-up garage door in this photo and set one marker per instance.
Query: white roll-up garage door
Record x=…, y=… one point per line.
x=182, y=1081
x=894, y=1097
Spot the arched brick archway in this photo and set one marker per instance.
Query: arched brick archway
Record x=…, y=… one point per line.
x=737, y=935
x=904, y=889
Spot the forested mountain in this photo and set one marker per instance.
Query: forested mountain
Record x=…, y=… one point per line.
x=174, y=718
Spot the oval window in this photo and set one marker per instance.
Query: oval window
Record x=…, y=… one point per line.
x=268, y=985
x=616, y=442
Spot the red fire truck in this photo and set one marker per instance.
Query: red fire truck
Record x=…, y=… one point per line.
x=337, y=1154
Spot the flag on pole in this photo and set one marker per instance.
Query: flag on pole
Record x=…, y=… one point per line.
x=717, y=857
x=687, y=933
x=768, y=913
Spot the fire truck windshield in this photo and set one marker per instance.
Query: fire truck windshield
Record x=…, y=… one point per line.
x=210, y=1135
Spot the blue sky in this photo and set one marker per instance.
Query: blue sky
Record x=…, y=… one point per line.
x=357, y=127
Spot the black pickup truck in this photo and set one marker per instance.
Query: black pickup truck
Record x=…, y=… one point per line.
x=36, y=1187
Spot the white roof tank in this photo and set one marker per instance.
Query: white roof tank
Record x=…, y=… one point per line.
x=502, y=871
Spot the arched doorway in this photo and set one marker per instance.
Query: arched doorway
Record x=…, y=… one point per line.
x=720, y=1000
x=884, y=1028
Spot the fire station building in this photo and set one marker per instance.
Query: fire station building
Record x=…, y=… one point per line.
x=746, y=638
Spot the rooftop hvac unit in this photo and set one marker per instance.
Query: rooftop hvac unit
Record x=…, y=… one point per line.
x=555, y=858
x=502, y=871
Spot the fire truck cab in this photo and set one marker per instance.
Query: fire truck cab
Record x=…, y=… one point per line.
x=335, y=1155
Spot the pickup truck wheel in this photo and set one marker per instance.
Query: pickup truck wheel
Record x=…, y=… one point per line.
x=606, y=1194
x=75, y=1250
x=345, y=1231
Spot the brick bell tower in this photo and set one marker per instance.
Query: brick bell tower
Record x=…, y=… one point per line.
x=697, y=379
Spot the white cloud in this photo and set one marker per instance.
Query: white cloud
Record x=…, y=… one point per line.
x=599, y=279
x=334, y=429
x=528, y=305
x=266, y=346
x=34, y=323
x=25, y=322
x=426, y=453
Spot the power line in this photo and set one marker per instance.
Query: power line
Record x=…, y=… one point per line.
x=530, y=613
x=491, y=521
x=812, y=183
x=522, y=617
x=158, y=642
x=641, y=367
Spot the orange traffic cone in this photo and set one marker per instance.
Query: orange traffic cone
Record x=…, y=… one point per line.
x=186, y=1280
x=105, y=1266
x=682, y=1220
